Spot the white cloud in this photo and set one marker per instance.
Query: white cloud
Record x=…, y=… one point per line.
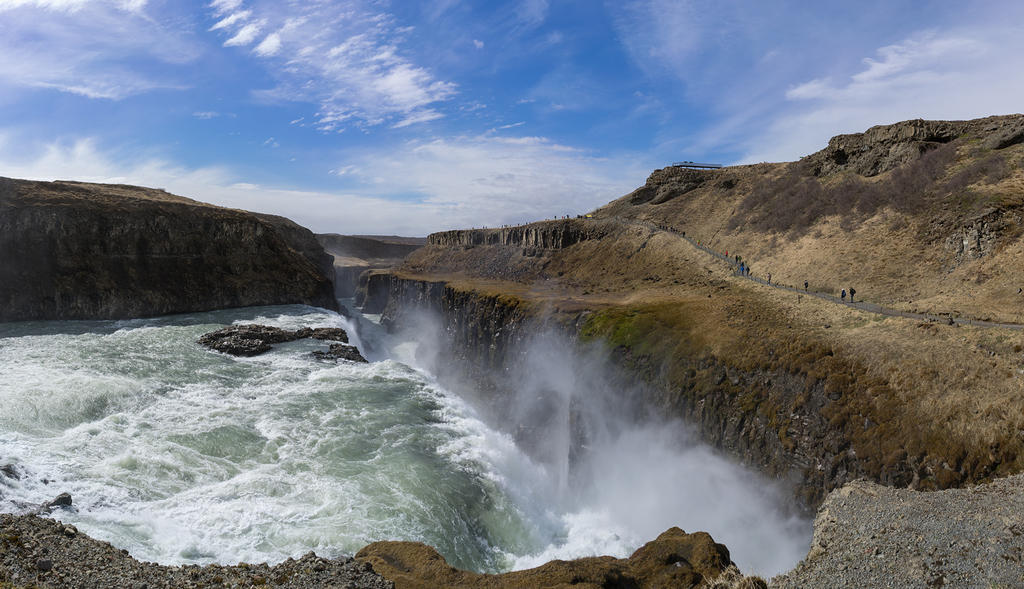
x=421, y=116
x=813, y=89
x=532, y=12
x=489, y=180
x=93, y=49
x=225, y=6
x=245, y=35
x=458, y=182
x=344, y=56
x=961, y=74
x=478, y=44
x=269, y=46
x=231, y=19
x=73, y=5
x=206, y=115
x=661, y=35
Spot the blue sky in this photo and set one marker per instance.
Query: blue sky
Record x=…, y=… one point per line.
x=377, y=116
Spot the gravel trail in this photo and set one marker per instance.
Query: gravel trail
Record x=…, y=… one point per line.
x=867, y=535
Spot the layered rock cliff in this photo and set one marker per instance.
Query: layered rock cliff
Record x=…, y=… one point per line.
x=71, y=250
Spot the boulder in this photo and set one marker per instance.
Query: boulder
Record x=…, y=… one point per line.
x=254, y=339
x=9, y=471
x=675, y=559
x=335, y=334
x=62, y=500
x=245, y=340
x=340, y=352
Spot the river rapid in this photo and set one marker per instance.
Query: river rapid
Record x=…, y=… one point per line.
x=183, y=455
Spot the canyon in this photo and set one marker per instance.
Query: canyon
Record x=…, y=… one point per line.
x=824, y=397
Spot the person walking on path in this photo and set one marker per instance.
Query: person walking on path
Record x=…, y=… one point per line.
x=805, y=286
x=852, y=292
x=769, y=278
x=842, y=295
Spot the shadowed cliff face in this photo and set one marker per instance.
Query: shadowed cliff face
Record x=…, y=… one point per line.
x=81, y=251
x=352, y=255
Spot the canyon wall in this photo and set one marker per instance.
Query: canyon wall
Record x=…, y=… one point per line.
x=783, y=382
x=741, y=412
x=72, y=250
x=352, y=255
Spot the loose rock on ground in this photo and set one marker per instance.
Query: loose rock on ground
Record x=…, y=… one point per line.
x=40, y=552
x=867, y=535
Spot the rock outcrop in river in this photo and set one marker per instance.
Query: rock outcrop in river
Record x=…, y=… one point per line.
x=72, y=250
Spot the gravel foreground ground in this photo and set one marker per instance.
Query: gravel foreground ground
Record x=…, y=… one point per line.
x=40, y=552
x=867, y=535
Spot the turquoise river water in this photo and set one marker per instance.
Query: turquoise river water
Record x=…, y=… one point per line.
x=182, y=455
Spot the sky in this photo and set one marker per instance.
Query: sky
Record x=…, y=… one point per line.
x=408, y=117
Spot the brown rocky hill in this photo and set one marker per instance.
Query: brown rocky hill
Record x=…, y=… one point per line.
x=73, y=250
x=918, y=215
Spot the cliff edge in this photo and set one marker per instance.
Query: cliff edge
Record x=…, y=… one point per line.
x=73, y=250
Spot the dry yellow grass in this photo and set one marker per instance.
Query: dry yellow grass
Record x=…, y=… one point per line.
x=896, y=258
x=935, y=394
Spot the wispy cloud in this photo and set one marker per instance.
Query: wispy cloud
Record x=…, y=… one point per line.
x=444, y=183
x=72, y=5
x=90, y=48
x=532, y=12
x=956, y=74
x=492, y=180
x=346, y=57
x=245, y=35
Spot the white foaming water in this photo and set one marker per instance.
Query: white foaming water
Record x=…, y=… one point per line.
x=181, y=455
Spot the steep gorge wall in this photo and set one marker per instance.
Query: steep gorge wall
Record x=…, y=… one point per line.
x=80, y=251
x=741, y=412
x=544, y=235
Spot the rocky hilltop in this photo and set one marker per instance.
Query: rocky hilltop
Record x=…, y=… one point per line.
x=919, y=215
x=72, y=250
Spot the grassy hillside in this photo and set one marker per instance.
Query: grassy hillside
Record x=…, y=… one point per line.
x=920, y=215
